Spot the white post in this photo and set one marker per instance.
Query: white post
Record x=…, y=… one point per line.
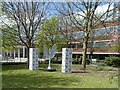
x=14, y=54
x=76, y=45
x=18, y=52
x=49, y=63
x=23, y=52
x=7, y=53
x=31, y=59
x=7, y=56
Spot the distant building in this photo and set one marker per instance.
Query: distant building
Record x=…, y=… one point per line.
x=102, y=37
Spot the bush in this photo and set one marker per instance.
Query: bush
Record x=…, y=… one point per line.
x=112, y=61
x=101, y=62
x=75, y=60
x=57, y=61
x=99, y=68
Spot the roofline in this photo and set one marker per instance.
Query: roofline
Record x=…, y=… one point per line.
x=89, y=53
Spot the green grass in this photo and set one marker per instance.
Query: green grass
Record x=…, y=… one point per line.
x=18, y=76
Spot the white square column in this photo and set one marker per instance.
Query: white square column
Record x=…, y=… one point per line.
x=23, y=52
x=33, y=59
x=14, y=53
x=66, y=60
x=18, y=52
x=7, y=53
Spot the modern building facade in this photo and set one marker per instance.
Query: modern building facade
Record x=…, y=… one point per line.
x=101, y=48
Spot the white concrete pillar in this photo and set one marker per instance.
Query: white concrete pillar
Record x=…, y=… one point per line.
x=33, y=57
x=66, y=60
x=7, y=53
x=23, y=52
x=18, y=52
x=88, y=56
x=76, y=45
x=14, y=53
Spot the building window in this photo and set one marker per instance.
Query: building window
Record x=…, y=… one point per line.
x=101, y=45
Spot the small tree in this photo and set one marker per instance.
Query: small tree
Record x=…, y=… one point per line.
x=48, y=33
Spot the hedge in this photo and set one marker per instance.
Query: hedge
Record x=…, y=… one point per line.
x=112, y=61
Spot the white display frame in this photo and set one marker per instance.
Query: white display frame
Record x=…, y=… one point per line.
x=33, y=59
x=66, y=60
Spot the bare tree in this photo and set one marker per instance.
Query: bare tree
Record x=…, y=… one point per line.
x=28, y=18
x=111, y=18
x=66, y=30
x=85, y=16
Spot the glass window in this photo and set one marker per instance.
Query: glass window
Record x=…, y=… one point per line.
x=106, y=31
x=118, y=28
x=96, y=45
x=101, y=45
x=79, y=35
x=100, y=32
x=79, y=45
x=89, y=45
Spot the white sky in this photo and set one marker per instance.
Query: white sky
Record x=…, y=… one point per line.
x=103, y=8
x=100, y=9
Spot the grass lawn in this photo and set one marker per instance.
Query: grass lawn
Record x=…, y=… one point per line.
x=18, y=76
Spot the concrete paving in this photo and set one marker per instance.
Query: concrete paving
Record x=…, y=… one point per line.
x=18, y=60
x=15, y=60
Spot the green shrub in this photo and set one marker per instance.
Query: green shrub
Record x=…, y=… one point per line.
x=99, y=68
x=112, y=61
x=100, y=63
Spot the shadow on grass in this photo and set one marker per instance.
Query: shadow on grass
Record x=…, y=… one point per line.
x=17, y=76
x=36, y=81
x=14, y=67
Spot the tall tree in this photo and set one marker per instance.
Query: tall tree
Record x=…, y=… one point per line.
x=28, y=18
x=86, y=16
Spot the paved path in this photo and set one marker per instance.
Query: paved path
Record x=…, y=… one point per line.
x=18, y=60
x=15, y=60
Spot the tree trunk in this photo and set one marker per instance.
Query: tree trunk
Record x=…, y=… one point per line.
x=91, y=51
x=84, y=54
x=92, y=42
